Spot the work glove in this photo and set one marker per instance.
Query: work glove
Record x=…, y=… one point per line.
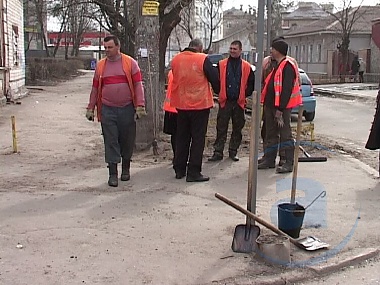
x=90, y=115
x=279, y=119
x=140, y=112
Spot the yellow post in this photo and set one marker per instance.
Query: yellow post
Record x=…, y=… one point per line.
x=13, y=119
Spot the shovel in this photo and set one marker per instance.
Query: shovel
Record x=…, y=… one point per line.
x=245, y=236
x=309, y=243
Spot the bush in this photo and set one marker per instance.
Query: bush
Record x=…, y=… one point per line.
x=39, y=70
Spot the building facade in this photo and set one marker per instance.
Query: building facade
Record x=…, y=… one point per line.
x=198, y=20
x=12, y=59
x=315, y=46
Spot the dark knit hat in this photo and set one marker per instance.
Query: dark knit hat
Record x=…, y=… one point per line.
x=280, y=46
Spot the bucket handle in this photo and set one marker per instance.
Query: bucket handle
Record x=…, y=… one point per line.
x=322, y=194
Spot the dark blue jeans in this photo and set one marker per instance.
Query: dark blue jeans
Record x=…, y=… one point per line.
x=119, y=132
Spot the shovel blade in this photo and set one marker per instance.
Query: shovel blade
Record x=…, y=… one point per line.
x=244, y=240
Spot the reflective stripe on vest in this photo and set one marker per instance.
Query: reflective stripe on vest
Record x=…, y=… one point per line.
x=245, y=71
x=167, y=105
x=191, y=89
x=127, y=68
x=295, y=97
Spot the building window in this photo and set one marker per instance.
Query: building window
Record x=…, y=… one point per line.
x=196, y=25
x=16, y=53
x=200, y=11
x=319, y=53
x=196, y=10
x=296, y=55
x=290, y=51
x=303, y=53
x=310, y=59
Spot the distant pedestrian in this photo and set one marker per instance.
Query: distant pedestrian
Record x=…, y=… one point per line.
x=355, y=68
x=280, y=94
x=118, y=95
x=362, y=69
x=236, y=83
x=192, y=96
x=171, y=115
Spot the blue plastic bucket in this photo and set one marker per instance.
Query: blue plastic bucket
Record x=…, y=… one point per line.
x=290, y=218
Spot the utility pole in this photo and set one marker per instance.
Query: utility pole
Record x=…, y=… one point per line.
x=147, y=55
x=269, y=26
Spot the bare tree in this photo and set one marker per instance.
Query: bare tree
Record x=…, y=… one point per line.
x=278, y=7
x=120, y=19
x=187, y=21
x=211, y=18
x=75, y=18
x=346, y=18
x=37, y=13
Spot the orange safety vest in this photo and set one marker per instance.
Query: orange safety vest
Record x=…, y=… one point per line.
x=245, y=71
x=167, y=106
x=127, y=68
x=190, y=89
x=295, y=97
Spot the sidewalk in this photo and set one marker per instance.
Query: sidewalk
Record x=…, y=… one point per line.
x=71, y=228
x=350, y=91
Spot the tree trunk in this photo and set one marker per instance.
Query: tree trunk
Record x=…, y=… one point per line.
x=146, y=51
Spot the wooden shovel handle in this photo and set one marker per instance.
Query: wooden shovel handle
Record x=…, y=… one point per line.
x=296, y=154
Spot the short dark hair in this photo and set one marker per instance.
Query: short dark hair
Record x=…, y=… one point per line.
x=196, y=43
x=237, y=43
x=112, y=38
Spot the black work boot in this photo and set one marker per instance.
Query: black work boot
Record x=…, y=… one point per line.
x=112, y=169
x=288, y=165
x=285, y=168
x=125, y=166
x=216, y=156
x=266, y=164
x=233, y=155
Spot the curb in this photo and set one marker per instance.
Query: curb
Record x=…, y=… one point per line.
x=309, y=272
x=345, y=95
x=351, y=260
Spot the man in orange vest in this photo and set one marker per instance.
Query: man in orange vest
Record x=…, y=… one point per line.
x=191, y=95
x=171, y=114
x=280, y=94
x=118, y=95
x=236, y=83
x=269, y=63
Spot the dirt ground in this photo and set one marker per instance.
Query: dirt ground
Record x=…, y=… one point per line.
x=61, y=224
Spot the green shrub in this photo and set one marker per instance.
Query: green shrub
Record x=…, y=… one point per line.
x=39, y=70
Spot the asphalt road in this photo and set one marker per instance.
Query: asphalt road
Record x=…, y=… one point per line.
x=344, y=120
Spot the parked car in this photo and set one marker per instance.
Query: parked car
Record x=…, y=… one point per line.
x=215, y=58
x=308, y=98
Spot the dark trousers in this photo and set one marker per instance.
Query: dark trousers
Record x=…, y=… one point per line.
x=232, y=111
x=263, y=136
x=273, y=132
x=361, y=76
x=191, y=134
x=119, y=132
x=170, y=128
